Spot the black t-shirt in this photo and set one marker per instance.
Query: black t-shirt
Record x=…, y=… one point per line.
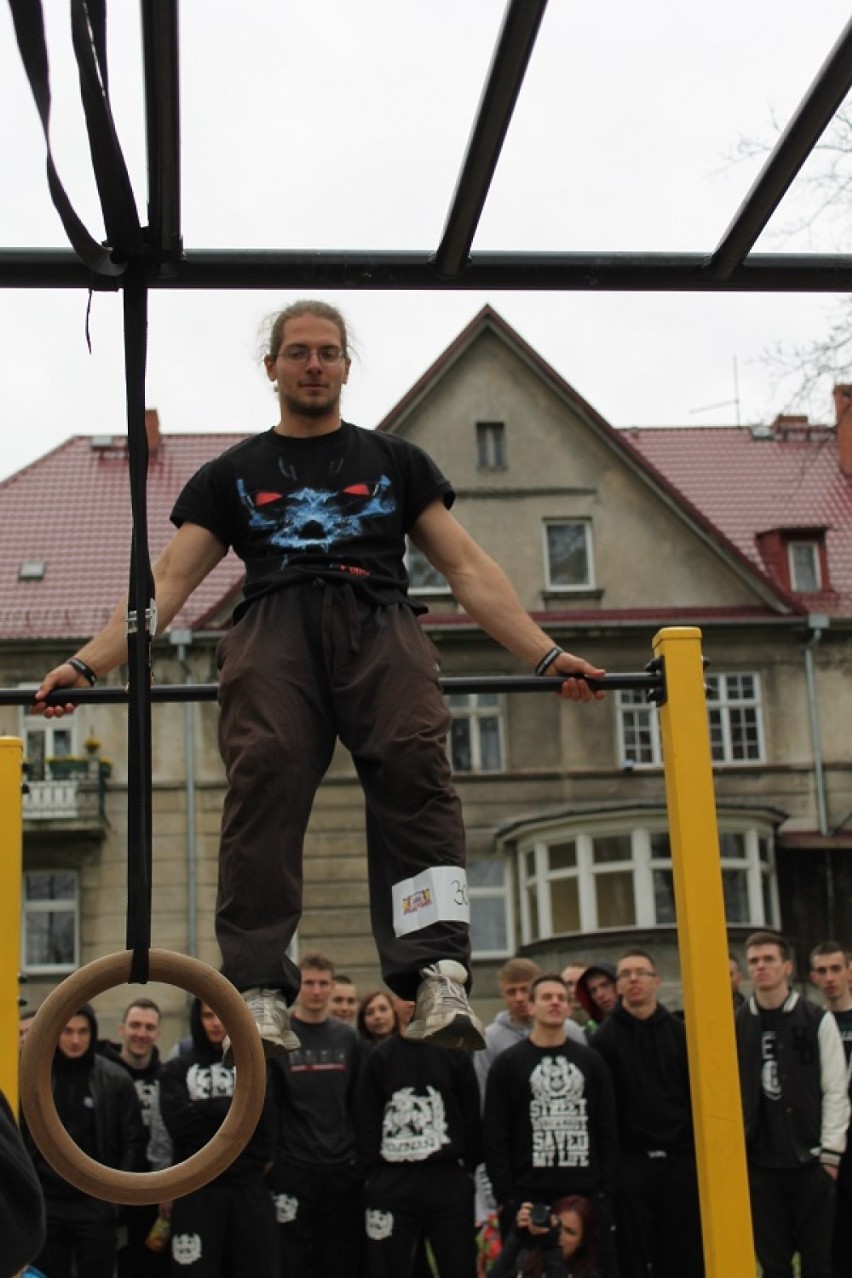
x=335, y=506
x=315, y=1089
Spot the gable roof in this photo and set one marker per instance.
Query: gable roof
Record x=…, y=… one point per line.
x=70, y=510
x=685, y=503
x=750, y=484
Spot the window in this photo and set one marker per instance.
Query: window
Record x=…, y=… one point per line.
x=805, y=566
x=491, y=933
x=733, y=706
x=44, y=741
x=734, y=720
x=50, y=923
x=568, y=554
x=638, y=729
x=476, y=732
x=422, y=577
x=586, y=879
x=490, y=446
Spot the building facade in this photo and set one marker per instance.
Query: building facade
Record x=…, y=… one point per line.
x=608, y=536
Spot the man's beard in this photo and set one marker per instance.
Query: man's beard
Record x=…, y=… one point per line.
x=311, y=409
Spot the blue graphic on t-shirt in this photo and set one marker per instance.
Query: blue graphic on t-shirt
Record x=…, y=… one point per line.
x=316, y=518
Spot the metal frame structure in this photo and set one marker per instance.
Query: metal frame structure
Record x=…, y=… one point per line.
x=730, y=267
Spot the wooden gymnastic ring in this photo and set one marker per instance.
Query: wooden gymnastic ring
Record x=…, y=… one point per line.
x=137, y=1188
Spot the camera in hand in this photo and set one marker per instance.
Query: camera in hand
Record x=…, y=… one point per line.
x=540, y=1215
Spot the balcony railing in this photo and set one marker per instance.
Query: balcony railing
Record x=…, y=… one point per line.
x=69, y=799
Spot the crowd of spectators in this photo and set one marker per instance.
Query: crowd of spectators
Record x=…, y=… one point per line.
x=565, y=1148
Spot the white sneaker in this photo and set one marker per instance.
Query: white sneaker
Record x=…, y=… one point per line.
x=273, y=1024
x=442, y=1014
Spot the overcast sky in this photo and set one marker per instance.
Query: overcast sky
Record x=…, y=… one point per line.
x=342, y=125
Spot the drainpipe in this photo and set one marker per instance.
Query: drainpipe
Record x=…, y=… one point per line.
x=182, y=640
x=817, y=623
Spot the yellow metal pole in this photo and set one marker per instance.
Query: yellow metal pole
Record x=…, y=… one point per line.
x=703, y=943
x=11, y=851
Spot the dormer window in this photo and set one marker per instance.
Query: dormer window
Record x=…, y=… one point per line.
x=805, y=565
x=797, y=558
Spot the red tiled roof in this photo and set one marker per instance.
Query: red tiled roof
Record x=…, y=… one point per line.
x=71, y=509
x=727, y=481
x=749, y=484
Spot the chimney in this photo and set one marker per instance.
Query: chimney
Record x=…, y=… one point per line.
x=843, y=425
x=152, y=430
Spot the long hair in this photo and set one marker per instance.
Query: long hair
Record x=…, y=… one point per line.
x=365, y=1006
x=584, y=1262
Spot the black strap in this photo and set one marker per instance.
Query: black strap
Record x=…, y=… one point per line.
x=28, y=19
x=141, y=626
x=88, y=29
x=126, y=258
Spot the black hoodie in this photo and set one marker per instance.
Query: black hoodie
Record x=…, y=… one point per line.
x=97, y=1105
x=648, y=1063
x=195, y=1095
x=584, y=998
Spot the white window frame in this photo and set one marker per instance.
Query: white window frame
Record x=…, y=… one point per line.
x=761, y=874
x=632, y=704
x=491, y=446
x=794, y=547
x=58, y=905
x=569, y=587
x=646, y=718
x=51, y=729
x=469, y=706
x=491, y=892
x=727, y=707
x=414, y=559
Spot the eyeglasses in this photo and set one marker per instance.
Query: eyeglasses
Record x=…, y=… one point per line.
x=327, y=355
x=640, y=973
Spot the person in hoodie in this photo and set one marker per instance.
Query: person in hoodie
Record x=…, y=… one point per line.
x=97, y=1105
x=418, y=1136
x=596, y=993
x=657, y=1207
x=227, y=1228
x=137, y=1054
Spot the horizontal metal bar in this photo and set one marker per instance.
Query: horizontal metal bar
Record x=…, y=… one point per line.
x=796, y=143
x=543, y=272
x=208, y=691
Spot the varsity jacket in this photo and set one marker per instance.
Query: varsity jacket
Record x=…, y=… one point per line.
x=811, y=1072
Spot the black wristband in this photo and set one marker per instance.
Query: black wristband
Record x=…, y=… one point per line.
x=86, y=671
x=548, y=659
